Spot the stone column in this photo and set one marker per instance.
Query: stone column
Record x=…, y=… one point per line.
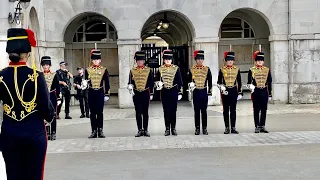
x=210, y=48
x=279, y=50
x=126, y=51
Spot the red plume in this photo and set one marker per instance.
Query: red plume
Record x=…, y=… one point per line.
x=31, y=38
x=225, y=54
x=195, y=53
x=255, y=54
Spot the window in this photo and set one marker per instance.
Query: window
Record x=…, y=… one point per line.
x=95, y=31
x=236, y=28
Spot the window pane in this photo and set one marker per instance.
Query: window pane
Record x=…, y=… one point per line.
x=74, y=38
x=111, y=28
x=80, y=29
x=246, y=25
x=96, y=27
x=252, y=34
x=247, y=33
x=80, y=37
x=95, y=37
x=231, y=24
x=231, y=35
x=112, y=36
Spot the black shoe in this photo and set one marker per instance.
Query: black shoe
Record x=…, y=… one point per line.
x=227, y=131
x=93, y=134
x=146, y=133
x=82, y=116
x=257, y=130
x=87, y=115
x=100, y=133
x=263, y=130
x=234, y=131
x=68, y=117
x=58, y=117
x=49, y=136
x=53, y=136
x=197, y=132
x=140, y=133
x=174, y=132
x=205, y=131
x=167, y=132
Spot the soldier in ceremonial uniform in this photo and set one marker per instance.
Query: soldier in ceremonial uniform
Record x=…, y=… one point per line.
x=169, y=81
x=140, y=85
x=99, y=92
x=26, y=107
x=229, y=83
x=52, y=80
x=260, y=84
x=200, y=79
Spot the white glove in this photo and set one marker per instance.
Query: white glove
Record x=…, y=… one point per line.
x=159, y=85
x=192, y=86
x=106, y=98
x=179, y=97
x=252, y=87
x=239, y=97
x=270, y=98
x=130, y=87
x=223, y=88
x=151, y=97
x=58, y=102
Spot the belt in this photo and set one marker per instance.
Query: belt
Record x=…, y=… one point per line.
x=261, y=87
x=231, y=86
x=96, y=88
x=170, y=87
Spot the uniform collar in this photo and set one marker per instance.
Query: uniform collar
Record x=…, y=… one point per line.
x=229, y=67
x=170, y=65
x=259, y=67
x=199, y=66
x=140, y=67
x=96, y=66
x=17, y=63
x=47, y=71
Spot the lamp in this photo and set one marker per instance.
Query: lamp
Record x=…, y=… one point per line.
x=165, y=23
x=16, y=16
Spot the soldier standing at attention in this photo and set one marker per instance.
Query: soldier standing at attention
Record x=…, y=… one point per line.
x=52, y=80
x=99, y=92
x=26, y=107
x=260, y=84
x=200, y=79
x=169, y=81
x=229, y=83
x=140, y=85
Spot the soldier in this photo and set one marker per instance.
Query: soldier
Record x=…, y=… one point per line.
x=99, y=91
x=26, y=107
x=200, y=79
x=260, y=84
x=140, y=85
x=229, y=83
x=52, y=81
x=169, y=81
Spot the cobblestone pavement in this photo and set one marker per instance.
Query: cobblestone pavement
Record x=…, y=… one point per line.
x=182, y=142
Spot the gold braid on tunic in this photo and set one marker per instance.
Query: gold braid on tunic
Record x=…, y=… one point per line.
x=260, y=75
x=95, y=74
x=167, y=74
x=49, y=79
x=199, y=76
x=230, y=75
x=140, y=77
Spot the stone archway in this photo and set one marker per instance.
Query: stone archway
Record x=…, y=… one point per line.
x=244, y=30
x=80, y=37
x=33, y=24
x=177, y=31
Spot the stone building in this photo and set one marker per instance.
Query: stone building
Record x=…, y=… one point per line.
x=287, y=30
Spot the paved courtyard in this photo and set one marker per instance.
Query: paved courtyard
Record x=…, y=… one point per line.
x=290, y=151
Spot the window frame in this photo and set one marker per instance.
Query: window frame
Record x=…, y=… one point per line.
x=251, y=29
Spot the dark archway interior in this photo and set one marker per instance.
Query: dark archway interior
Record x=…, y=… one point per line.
x=179, y=32
x=88, y=17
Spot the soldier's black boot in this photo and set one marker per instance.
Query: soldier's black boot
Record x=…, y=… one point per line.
x=100, y=133
x=146, y=133
x=167, y=132
x=197, y=131
x=94, y=134
x=140, y=133
x=49, y=136
x=174, y=132
x=82, y=116
x=234, y=131
x=257, y=130
x=68, y=116
x=263, y=130
x=227, y=130
x=53, y=136
x=205, y=131
x=87, y=115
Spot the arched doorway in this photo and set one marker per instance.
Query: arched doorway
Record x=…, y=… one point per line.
x=33, y=24
x=173, y=30
x=244, y=30
x=81, y=35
